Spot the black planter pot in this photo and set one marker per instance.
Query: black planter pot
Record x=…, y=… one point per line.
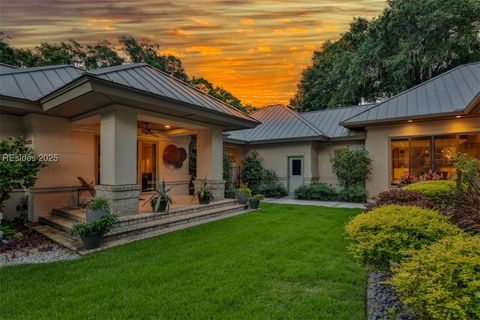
x=204, y=200
x=242, y=198
x=93, y=215
x=254, y=204
x=92, y=240
x=161, y=208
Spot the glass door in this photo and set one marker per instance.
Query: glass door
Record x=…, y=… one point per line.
x=147, y=160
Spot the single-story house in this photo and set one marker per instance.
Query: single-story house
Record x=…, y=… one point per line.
x=118, y=127
x=410, y=133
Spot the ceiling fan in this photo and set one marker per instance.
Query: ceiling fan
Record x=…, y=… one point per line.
x=149, y=131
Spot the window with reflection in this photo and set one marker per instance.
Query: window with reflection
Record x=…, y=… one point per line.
x=417, y=155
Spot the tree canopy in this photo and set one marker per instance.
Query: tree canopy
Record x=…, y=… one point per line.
x=103, y=54
x=409, y=43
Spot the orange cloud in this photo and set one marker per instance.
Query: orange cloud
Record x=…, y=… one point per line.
x=172, y=52
x=247, y=22
x=245, y=30
x=264, y=49
x=330, y=28
x=204, y=50
x=201, y=22
x=178, y=33
x=289, y=31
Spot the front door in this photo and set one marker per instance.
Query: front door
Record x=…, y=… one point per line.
x=147, y=164
x=295, y=173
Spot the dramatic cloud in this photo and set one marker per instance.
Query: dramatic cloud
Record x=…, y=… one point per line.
x=254, y=48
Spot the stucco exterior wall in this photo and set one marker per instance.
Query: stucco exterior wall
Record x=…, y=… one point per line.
x=10, y=126
x=378, y=143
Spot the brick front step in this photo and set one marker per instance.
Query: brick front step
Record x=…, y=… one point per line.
x=131, y=228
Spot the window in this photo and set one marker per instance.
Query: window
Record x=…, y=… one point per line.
x=296, y=167
x=417, y=155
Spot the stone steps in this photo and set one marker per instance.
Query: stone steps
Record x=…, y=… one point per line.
x=131, y=228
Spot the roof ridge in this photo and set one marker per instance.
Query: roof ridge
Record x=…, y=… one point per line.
x=40, y=68
x=306, y=122
x=337, y=108
x=200, y=91
x=117, y=67
x=411, y=89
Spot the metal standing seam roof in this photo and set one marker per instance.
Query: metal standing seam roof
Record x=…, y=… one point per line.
x=144, y=77
x=328, y=120
x=6, y=67
x=34, y=83
x=446, y=93
x=278, y=122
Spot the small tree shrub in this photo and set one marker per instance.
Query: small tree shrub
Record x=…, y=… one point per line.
x=18, y=166
x=316, y=191
x=436, y=191
x=353, y=194
x=351, y=166
x=467, y=168
x=391, y=233
x=401, y=197
x=466, y=209
x=442, y=281
x=252, y=170
x=229, y=192
x=271, y=190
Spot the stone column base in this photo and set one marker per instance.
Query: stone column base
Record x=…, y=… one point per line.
x=217, y=185
x=124, y=198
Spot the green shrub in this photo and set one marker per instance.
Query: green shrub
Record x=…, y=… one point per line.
x=435, y=191
x=252, y=170
x=99, y=202
x=257, y=197
x=353, y=194
x=390, y=233
x=8, y=231
x=244, y=190
x=401, y=197
x=351, y=166
x=102, y=224
x=442, y=281
x=271, y=190
x=316, y=191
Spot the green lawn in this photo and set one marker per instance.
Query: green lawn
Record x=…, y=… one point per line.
x=282, y=262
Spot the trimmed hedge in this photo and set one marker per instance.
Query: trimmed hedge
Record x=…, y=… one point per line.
x=401, y=197
x=390, y=234
x=353, y=194
x=435, y=191
x=442, y=281
x=316, y=191
x=270, y=190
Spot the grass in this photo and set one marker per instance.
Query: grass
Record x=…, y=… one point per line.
x=282, y=262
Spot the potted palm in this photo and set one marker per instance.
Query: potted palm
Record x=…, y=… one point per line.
x=255, y=200
x=97, y=207
x=243, y=193
x=91, y=233
x=204, y=193
x=160, y=201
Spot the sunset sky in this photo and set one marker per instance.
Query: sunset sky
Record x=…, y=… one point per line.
x=255, y=49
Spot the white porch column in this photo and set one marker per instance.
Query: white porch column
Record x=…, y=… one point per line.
x=118, y=160
x=210, y=159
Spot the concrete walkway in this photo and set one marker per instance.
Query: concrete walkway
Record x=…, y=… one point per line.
x=332, y=204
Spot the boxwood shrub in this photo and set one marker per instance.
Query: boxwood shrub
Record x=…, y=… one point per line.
x=442, y=281
x=271, y=190
x=353, y=194
x=435, y=191
x=390, y=234
x=316, y=191
x=401, y=197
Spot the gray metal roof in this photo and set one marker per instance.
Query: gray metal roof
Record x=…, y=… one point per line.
x=328, y=120
x=278, y=122
x=144, y=77
x=450, y=92
x=6, y=67
x=35, y=83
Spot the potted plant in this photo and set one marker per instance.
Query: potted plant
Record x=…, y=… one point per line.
x=255, y=200
x=97, y=207
x=91, y=233
x=204, y=193
x=160, y=201
x=243, y=193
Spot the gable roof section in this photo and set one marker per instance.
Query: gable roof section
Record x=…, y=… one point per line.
x=142, y=76
x=278, y=122
x=328, y=120
x=448, y=93
x=34, y=83
x=6, y=67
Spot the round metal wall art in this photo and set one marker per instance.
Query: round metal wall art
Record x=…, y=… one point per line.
x=174, y=156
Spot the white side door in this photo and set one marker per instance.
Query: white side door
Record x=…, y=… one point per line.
x=295, y=173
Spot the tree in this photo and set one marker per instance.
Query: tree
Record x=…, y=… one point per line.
x=409, y=43
x=19, y=166
x=351, y=166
